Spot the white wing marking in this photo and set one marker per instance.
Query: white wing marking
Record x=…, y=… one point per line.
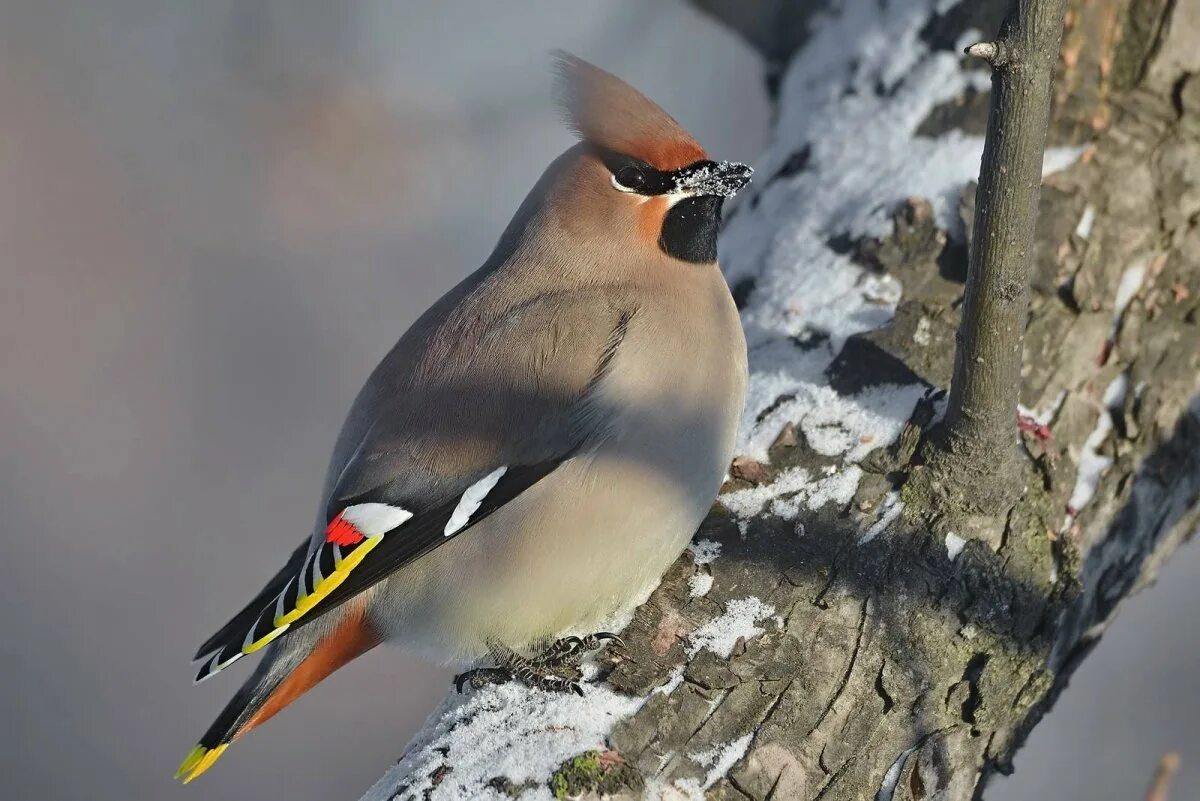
x=471, y=500
x=374, y=519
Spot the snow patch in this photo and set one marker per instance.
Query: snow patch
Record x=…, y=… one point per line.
x=1083, y=229
x=889, y=510
x=795, y=488
x=832, y=424
x=1093, y=463
x=853, y=427
x=738, y=622
x=924, y=333
x=887, y=788
x=1127, y=289
x=699, y=585
x=954, y=545
x=1047, y=415
x=673, y=682
x=679, y=790
x=804, y=287
x=1115, y=392
x=509, y=731
x=704, y=552
x=720, y=759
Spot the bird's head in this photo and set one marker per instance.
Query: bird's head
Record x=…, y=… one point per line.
x=637, y=175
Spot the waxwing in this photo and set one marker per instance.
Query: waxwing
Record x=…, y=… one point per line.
x=539, y=446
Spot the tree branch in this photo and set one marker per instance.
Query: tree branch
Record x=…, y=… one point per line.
x=823, y=639
x=976, y=457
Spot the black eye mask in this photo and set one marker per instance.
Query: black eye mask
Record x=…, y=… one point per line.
x=720, y=179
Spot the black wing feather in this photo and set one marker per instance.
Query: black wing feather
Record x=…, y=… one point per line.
x=236, y=628
x=380, y=469
x=424, y=533
x=416, y=537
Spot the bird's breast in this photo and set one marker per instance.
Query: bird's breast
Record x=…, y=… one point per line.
x=676, y=387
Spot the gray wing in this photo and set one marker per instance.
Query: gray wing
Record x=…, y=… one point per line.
x=481, y=391
x=453, y=427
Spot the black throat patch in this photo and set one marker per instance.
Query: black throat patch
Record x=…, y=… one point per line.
x=689, y=230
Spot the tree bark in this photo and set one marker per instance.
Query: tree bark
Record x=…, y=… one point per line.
x=833, y=637
x=976, y=447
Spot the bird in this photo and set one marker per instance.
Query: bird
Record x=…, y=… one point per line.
x=541, y=444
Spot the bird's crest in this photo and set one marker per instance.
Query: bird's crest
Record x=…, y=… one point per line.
x=607, y=112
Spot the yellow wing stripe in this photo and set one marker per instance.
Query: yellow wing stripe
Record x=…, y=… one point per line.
x=264, y=641
x=327, y=585
x=304, y=603
x=201, y=758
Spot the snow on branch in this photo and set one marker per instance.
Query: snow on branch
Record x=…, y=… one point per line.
x=848, y=149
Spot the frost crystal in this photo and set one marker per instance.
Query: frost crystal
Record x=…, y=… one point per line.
x=723, y=179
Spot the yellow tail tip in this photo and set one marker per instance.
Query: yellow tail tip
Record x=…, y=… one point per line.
x=198, y=760
x=190, y=761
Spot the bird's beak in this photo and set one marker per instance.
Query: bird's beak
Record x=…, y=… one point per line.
x=720, y=178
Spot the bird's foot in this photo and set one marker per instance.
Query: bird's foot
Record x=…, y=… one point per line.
x=532, y=672
x=569, y=651
x=540, y=677
x=542, y=671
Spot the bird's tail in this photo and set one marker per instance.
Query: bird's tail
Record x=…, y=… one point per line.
x=290, y=667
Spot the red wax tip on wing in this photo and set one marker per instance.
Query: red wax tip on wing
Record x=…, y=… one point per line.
x=341, y=532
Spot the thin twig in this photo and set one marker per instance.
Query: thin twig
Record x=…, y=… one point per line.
x=975, y=456
x=993, y=53
x=1160, y=785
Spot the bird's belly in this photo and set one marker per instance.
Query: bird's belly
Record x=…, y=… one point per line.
x=595, y=536
x=580, y=547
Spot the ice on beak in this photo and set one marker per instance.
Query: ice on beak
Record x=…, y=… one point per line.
x=721, y=178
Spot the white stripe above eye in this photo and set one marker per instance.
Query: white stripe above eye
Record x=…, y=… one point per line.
x=375, y=519
x=471, y=500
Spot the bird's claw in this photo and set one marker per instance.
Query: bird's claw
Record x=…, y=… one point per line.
x=556, y=684
x=570, y=650
x=481, y=677
x=601, y=638
x=538, y=672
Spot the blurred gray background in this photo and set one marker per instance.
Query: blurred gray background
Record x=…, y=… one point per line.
x=214, y=219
